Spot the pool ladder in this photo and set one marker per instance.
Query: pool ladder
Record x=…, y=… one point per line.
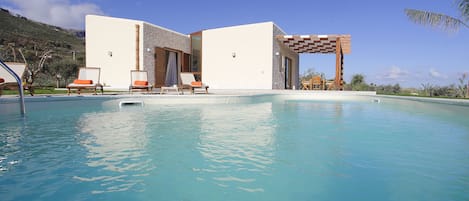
x=20, y=86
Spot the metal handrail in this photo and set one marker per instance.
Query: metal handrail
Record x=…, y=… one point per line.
x=20, y=86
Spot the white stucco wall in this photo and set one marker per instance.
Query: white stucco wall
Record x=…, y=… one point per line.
x=251, y=68
x=106, y=35
x=254, y=66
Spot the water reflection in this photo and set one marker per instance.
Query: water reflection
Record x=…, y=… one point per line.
x=115, y=142
x=238, y=142
x=9, y=138
x=454, y=114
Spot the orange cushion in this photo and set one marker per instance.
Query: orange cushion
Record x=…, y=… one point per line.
x=82, y=81
x=196, y=84
x=2, y=80
x=140, y=83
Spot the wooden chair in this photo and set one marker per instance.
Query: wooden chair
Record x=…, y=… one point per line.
x=306, y=84
x=330, y=85
x=317, y=83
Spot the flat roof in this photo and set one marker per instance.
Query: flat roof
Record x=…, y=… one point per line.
x=316, y=43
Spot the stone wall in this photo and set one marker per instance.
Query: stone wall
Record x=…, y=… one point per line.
x=155, y=36
x=279, y=51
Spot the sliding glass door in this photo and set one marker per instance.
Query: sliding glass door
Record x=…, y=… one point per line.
x=288, y=73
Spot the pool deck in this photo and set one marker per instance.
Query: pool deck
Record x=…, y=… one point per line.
x=462, y=102
x=218, y=93
x=187, y=95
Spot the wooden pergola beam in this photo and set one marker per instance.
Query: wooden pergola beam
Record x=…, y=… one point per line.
x=315, y=43
x=338, y=81
x=325, y=44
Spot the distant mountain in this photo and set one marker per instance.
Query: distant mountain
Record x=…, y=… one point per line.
x=35, y=38
x=79, y=34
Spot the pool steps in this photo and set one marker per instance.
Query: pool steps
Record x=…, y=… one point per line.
x=130, y=103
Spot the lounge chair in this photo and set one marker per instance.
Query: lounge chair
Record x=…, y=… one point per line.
x=88, y=78
x=7, y=80
x=188, y=81
x=139, y=81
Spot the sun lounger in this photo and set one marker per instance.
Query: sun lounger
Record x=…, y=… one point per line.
x=139, y=81
x=88, y=78
x=7, y=80
x=188, y=81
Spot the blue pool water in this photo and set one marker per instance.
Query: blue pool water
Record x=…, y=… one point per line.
x=260, y=149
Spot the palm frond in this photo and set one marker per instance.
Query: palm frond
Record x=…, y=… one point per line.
x=436, y=20
x=463, y=6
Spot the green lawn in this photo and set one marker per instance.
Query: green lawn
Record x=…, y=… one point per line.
x=419, y=95
x=36, y=91
x=52, y=91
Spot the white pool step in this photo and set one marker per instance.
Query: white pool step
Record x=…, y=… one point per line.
x=130, y=103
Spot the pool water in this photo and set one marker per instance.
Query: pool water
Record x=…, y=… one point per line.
x=261, y=149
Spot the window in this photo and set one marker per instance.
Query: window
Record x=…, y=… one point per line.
x=196, y=55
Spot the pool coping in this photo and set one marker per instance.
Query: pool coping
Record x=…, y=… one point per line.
x=460, y=102
x=214, y=93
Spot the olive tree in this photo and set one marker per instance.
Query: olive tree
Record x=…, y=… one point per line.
x=462, y=86
x=358, y=83
x=61, y=70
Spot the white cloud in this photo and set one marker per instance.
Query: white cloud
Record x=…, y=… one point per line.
x=60, y=13
x=415, y=76
x=435, y=74
x=395, y=73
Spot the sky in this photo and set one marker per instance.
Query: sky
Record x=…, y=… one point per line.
x=387, y=48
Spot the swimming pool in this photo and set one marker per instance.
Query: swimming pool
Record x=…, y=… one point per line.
x=270, y=147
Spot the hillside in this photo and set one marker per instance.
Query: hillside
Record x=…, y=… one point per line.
x=35, y=38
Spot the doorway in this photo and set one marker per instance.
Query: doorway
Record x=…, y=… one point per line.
x=167, y=67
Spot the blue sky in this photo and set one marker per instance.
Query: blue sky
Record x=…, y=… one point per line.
x=386, y=47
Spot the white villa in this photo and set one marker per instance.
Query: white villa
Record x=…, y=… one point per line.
x=252, y=56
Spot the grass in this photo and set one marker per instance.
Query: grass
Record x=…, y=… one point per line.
x=49, y=91
x=53, y=91
x=421, y=96
x=45, y=90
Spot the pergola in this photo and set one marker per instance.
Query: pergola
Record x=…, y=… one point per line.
x=324, y=44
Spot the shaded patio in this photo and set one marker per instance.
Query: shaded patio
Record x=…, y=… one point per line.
x=322, y=44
